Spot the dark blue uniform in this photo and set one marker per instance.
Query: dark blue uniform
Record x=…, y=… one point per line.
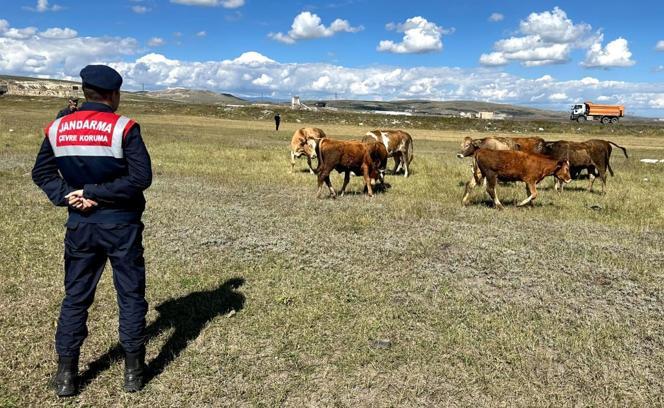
x=102, y=153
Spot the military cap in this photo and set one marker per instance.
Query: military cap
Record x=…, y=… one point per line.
x=101, y=77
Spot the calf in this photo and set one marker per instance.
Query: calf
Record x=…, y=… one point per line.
x=524, y=144
x=303, y=143
x=366, y=159
x=506, y=165
x=398, y=144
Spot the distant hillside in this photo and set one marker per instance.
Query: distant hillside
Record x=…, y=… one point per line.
x=195, y=96
x=447, y=108
x=27, y=86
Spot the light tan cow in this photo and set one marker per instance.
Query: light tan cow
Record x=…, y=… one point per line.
x=304, y=143
x=399, y=145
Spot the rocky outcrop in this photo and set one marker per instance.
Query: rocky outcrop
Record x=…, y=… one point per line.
x=42, y=87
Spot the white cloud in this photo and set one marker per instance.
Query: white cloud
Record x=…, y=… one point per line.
x=201, y=34
x=614, y=54
x=420, y=36
x=229, y=4
x=558, y=97
x=42, y=6
x=545, y=78
x=545, y=38
x=660, y=45
x=307, y=26
x=156, y=42
x=20, y=33
x=59, y=33
x=263, y=80
x=25, y=51
x=253, y=59
x=140, y=9
x=554, y=26
x=495, y=17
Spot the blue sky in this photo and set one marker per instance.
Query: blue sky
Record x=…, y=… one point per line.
x=544, y=54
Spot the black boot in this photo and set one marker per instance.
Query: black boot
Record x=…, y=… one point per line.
x=66, y=381
x=134, y=371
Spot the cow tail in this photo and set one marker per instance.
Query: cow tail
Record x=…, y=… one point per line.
x=410, y=152
x=622, y=148
x=319, y=154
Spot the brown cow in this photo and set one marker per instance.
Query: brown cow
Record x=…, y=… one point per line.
x=366, y=159
x=398, y=144
x=524, y=144
x=592, y=156
x=507, y=165
x=303, y=143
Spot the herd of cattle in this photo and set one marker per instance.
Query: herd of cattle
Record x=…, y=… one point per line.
x=526, y=159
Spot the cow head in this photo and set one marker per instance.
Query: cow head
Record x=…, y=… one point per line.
x=468, y=147
x=378, y=155
x=562, y=171
x=309, y=148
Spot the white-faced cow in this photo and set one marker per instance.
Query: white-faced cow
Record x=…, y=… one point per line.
x=303, y=144
x=398, y=144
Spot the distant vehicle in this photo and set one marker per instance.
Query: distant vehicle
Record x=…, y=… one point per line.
x=591, y=111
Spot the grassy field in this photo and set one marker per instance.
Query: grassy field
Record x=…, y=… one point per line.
x=262, y=295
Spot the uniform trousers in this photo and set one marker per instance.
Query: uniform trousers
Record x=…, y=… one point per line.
x=87, y=247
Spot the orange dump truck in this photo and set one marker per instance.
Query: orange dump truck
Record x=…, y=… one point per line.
x=591, y=111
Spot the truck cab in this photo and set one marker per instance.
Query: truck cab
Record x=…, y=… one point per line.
x=578, y=110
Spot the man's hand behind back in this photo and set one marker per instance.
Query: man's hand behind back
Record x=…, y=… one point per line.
x=76, y=200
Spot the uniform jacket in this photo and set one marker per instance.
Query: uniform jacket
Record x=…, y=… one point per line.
x=100, y=152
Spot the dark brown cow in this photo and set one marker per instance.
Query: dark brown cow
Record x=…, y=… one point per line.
x=524, y=144
x=303, y=143
x=398, y=144
x=508, y=165
x=366, y=159
x=592, y=156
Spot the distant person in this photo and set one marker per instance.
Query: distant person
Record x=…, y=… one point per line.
x=71, y=108
x=94, y=162
x=277, y=120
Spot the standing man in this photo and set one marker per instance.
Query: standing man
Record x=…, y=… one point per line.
x=95, y=163
x=277, y=120
x=71, y=107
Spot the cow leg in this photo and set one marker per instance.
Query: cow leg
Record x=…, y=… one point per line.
x=292, y=161
x=397, y=162
x=469, y=186
x=474, y=181
x=320, y=185
x=532, y=191
x=346, y=180
x=491, y=189
x=405, y=165
x=329, y=186
x=602, y=176
x=367, y=182
x=311, y=169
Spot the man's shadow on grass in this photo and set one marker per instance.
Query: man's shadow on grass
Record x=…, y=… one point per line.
x=187, y=316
